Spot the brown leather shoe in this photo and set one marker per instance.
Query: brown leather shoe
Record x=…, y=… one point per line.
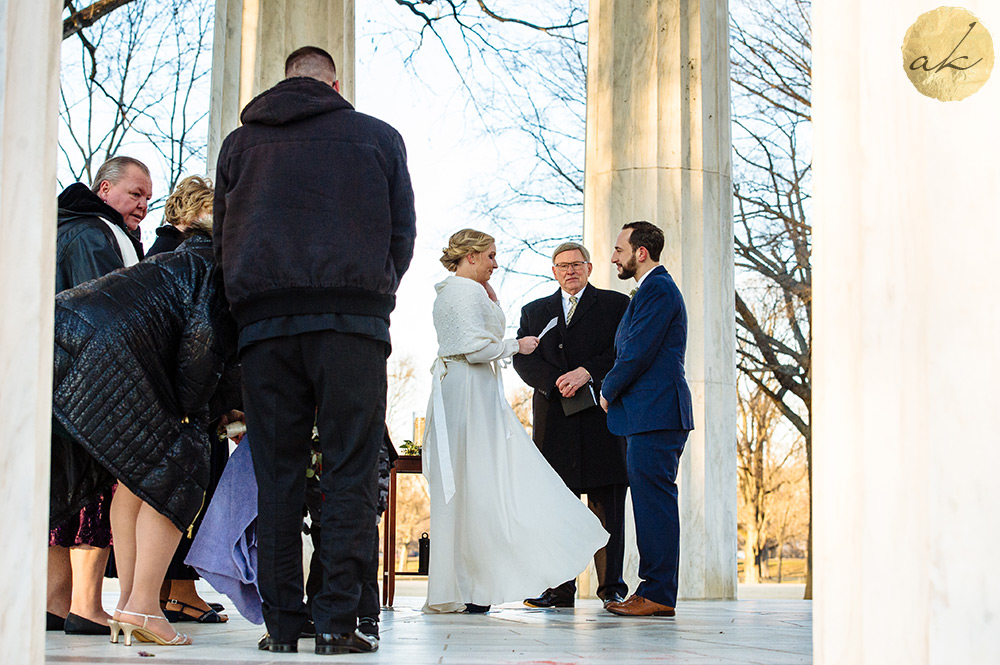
x=637, y=606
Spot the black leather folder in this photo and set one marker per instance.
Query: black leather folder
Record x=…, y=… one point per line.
x=581, y=401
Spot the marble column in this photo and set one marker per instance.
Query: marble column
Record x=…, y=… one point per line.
x=30, y=34
x=252, y=39
x=905, y=350
x=658, y=149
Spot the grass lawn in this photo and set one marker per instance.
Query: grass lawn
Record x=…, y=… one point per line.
x=792, y=570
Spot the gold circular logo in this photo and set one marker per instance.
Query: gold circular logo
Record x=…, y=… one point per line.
x=948, y=54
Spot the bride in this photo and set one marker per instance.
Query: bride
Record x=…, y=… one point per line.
x=504, y=524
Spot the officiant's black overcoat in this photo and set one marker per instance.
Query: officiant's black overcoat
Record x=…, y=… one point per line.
x=579, y=447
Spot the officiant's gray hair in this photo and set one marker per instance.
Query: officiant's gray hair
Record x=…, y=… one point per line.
x=461, y=244
x=569, y=247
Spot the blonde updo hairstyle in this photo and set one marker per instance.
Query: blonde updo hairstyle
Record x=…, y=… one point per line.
x=461, y=244
x=189, y=203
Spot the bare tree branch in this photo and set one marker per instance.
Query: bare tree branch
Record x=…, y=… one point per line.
x=140, y=76
x=771, y=74
x=89, y=15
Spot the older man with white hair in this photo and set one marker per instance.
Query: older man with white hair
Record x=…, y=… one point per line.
x=98, y=232
x=566, y=372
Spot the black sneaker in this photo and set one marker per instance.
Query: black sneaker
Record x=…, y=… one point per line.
x=368, y=626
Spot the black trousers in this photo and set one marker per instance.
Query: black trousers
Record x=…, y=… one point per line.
x=369, y=606
x=340, y=381
x=608, y=503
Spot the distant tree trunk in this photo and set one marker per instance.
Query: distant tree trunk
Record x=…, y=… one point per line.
x=808, y=595
x=750, y=573
x=760, y=507
x=781, y=557
x=771, y=73
x=404, y=556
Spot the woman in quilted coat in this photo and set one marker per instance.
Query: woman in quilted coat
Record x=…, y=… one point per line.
x=145, y=358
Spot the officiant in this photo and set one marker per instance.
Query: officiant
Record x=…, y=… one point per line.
x=577, y=327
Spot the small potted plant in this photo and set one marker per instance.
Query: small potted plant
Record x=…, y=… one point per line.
x=409, y=449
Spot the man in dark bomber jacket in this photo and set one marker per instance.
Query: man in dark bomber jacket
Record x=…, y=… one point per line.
x=314, y=228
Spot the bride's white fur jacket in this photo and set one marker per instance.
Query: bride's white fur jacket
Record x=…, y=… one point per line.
x=468, y=323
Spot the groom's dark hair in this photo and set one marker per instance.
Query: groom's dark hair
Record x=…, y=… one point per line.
x=646, y=235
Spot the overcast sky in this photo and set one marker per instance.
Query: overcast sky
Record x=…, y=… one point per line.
x=450, y=157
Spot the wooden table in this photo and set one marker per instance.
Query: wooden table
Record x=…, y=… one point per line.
x=405, y=464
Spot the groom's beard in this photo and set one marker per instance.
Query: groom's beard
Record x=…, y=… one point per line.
x=627, y=269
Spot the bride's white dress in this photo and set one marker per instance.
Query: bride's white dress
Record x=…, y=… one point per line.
x=504, y=527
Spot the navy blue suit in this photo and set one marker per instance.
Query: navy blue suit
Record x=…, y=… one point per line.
x=650, y=404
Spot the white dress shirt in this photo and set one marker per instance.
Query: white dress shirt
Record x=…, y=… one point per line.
x=129, y=256
x=567, y=296
x=638, y=282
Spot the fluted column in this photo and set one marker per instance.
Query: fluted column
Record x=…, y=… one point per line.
x=252, y=39
x=658, y=148
x=905, y=346
x=29, y=85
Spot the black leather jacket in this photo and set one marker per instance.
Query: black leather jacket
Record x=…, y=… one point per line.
x=144, y=358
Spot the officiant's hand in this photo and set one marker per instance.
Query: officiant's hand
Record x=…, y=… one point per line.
x=526, y=345
x=572, y=381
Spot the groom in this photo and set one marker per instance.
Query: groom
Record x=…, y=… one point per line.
x=648, y=401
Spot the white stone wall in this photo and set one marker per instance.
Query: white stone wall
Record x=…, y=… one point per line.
x=906, y=358
x=252, y=39
x=30, y=33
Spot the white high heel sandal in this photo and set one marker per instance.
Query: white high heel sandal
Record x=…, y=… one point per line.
x=115, y=625
x=144, y=634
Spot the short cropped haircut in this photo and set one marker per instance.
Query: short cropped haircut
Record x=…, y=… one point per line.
x=115, y=169
x=308, y=61
x=646, y=235
x=570, y=246
x=461, y=244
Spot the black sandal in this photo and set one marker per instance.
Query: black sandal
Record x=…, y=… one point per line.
x=176, y=615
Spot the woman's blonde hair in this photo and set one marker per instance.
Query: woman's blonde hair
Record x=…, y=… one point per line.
x=189, y=202
x=461, y=244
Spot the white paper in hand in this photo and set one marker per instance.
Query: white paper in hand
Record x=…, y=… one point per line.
x=548, y=326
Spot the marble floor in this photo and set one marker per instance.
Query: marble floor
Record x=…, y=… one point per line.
x=768, y=631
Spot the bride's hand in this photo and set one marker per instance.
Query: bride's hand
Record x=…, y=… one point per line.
x=526, y=345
